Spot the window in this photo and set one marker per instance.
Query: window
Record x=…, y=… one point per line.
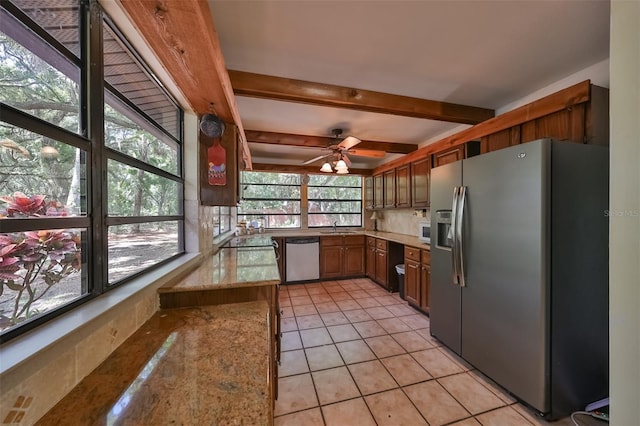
x=84, y=204
x=335, y=199
x=273, y=198
x=221, y=219
x=276, y=200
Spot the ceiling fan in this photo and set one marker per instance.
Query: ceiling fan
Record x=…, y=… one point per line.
x=339, y=150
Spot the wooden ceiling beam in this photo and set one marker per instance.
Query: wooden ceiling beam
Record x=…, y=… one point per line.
x=287, y=168
x=183, y=37
x=287, y=89
x=274, y=138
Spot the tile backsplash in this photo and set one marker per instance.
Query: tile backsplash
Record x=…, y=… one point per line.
x=401, y=221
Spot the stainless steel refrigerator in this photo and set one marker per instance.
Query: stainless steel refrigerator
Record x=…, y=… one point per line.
x=519, y=270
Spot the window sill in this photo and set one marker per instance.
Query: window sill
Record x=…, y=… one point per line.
x=22, y=348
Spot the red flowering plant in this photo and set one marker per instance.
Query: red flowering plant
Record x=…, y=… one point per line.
x=32, y=262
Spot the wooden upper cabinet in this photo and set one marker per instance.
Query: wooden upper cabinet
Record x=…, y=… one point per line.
x=420, y=174
x=565, y=125
x=499, y=140
x=389, y=188
x=447, y=156
x=457, y=153
x=403, y=186
x=378, y=191
x=368, y=192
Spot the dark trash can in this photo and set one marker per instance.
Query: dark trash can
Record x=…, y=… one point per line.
x=400, y=271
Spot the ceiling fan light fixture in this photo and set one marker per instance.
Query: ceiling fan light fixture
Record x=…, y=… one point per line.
x=342, y=171
x=326, y=168
x=341, y=165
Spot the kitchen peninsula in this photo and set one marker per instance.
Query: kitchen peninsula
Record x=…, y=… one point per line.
x=207, y=356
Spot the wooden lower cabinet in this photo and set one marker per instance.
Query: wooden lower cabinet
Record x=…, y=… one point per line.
x=342, y=256
x=382, y=258
x=417, y=280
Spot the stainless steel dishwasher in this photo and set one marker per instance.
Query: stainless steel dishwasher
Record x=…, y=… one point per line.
x=303, y=259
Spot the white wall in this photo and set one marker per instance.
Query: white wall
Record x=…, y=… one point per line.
x=624, y=240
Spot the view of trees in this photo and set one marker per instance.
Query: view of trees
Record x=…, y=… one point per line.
x=34, y=167
x=276, y=198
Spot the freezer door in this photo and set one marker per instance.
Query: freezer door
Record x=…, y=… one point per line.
x=444, y=305
x=504, y=302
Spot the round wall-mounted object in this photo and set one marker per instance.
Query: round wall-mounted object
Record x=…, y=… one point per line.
x=212, y=125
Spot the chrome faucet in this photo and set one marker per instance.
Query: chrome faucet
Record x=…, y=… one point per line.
x=335, y=224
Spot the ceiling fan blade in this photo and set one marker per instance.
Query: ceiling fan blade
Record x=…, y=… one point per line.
x=367, y=153
x=313, y=160
x=348, y=142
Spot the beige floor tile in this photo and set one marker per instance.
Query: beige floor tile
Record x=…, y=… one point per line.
x=284, y=301
x=327, y=307
x=357, y=315
x=372, y=377
x=393, y=325
x=493, y=387
x=393, y=408
x=343, y=333
x=321, y=298
x=309, y=321
x=312, y=417
x=323, y=357
x=384, y=346
x=287, y=311
x=292, y=362
x=299, y=291
x=353, y=412
x=334, y=318
x=416, y=321
x=405, y=369
x=291, y=340
x=401, y=310
x=467, y=422
x=368, y=302
x=505, y=416
x=534, y=419
x=295, y=393
x=436, y=363
x=426, y=333
x=455, y=358
x=359, y=294
x=470, y=393
x=347, y=305
x=301, y=300
x=316, y=290
x=334, y=288
x=343, y=295
x=303, y=310
x=379, y=312
x=315, y=337
x=288, y=324
x=412, y=341
x=435, y=403
x=387, y=300
x=355, y=351
x=334, y=385
x=369, y=329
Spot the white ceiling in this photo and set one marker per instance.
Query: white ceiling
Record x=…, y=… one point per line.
x=479, y=53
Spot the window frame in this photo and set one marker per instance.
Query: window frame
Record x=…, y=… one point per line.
x=90, y=139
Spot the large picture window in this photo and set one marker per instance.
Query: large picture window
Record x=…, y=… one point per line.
x=91, y=192
x=275, y=200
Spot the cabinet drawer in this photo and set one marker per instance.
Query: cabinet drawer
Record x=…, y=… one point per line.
x=381, y=244
x=371, y=242
x=354, y=240
x=426, y=257
x=412, y=253
x=333, y=240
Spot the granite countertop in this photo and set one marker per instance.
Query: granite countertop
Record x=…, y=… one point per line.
x=204, y=365
x=231, y=268
x=409, y=240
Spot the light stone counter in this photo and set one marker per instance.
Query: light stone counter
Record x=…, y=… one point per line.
x=206, y=365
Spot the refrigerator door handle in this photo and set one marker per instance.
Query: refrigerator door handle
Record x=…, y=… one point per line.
x=454, y=245
x=462, y=195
